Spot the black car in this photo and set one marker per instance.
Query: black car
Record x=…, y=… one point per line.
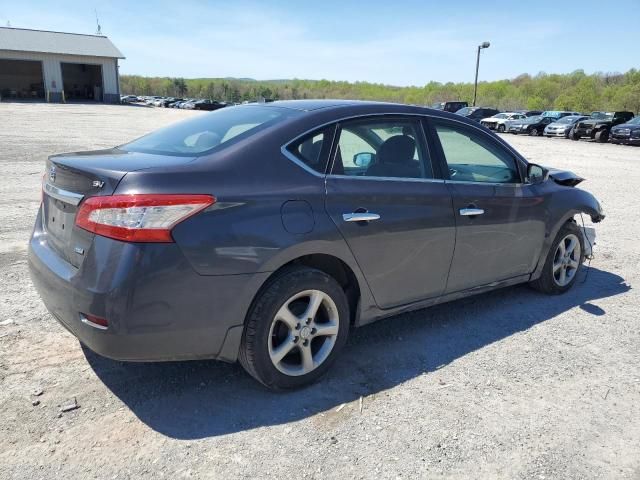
x=452, y=107
x=531, y=126
x=477, y=113
x=626, y=133
x=263, y=233
x=599, y=125
x=207, y=105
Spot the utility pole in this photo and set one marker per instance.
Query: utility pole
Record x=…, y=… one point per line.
x=475, y=86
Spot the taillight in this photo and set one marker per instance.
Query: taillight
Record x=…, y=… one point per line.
x=139, y=217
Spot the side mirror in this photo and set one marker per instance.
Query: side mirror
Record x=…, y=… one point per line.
x=536, y=174
x=363, y=159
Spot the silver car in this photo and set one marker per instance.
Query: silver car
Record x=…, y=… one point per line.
x=563, y=126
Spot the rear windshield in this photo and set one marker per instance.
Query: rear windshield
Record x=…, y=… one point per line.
x=207, y=131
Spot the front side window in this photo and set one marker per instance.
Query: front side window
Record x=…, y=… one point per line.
x=381, y=148
x=473, y=157
x=209, y=130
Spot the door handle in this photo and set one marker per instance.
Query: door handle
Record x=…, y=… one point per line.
x=470, y=212
x=360, y=217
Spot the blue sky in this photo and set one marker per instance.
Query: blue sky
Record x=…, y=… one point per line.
x=394, y=42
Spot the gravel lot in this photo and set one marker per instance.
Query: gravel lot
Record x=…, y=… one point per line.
x=513, y=384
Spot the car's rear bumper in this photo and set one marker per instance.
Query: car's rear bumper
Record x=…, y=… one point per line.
x=157, y=306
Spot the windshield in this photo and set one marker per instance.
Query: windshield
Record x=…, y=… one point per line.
x=602, y=115
x=466, y=110
x=634, y=121
x=535, y=119
x=209, y=130
x=501, y=115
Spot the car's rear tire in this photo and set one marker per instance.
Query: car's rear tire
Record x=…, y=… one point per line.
x=295, y=329
x=501, y=128
x=563, y=262
x=602, y=136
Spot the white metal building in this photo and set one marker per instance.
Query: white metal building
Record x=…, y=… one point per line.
x=56, y=66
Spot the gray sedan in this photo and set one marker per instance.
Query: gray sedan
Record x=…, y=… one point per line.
x=563, y=126
x=263, y=233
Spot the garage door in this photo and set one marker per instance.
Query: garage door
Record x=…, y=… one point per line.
x=82, y=81
x=21, y=79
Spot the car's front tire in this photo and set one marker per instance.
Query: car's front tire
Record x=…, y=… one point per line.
x=602, y=136
x=295, y=329
x=501, y=128
x=563, y=261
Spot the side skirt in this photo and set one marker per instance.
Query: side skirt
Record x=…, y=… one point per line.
x=380, y=314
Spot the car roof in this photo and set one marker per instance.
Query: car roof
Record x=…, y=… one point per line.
x=326, y=110
x=309, y=105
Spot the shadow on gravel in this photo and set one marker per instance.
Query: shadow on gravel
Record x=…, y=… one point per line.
x=190, y=400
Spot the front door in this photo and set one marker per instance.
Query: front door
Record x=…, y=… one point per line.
x=395, y=216
x=499, y=219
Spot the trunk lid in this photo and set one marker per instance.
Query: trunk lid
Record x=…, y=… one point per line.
x=70, y=178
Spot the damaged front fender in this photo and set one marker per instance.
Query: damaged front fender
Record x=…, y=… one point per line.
x=563, y=207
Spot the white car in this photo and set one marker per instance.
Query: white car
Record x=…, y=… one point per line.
x=500, y=121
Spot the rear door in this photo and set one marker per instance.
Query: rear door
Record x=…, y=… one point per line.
x=500, y=220
x=392, y=209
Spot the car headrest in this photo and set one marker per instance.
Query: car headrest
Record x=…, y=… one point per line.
x=207, y=140
x=397, y=149
x=311, y=151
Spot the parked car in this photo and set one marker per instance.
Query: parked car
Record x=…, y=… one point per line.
x=167, y=102
x=263, y=232
x=626, y=133
x=179, y=103
x=598, y=126
x=188, y=104
x=208, y=105
x=477, y=113
x=531, y=126
x=452, y=107
x=128, y=99
x=151, y=99
x=563, y=126
x=500, y=121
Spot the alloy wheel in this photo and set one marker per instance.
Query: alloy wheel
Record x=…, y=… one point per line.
x=303, y=332
x=566, y=260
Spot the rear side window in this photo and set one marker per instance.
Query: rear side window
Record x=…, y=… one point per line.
x=208, y=131
x=313, y=149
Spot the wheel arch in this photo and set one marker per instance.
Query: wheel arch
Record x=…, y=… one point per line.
x=344, y=270
x=583, y=203
x=333, y=266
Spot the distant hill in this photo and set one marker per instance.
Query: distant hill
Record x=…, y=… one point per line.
x=573, y=91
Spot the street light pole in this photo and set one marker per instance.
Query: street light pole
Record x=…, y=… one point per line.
x=475, y=85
